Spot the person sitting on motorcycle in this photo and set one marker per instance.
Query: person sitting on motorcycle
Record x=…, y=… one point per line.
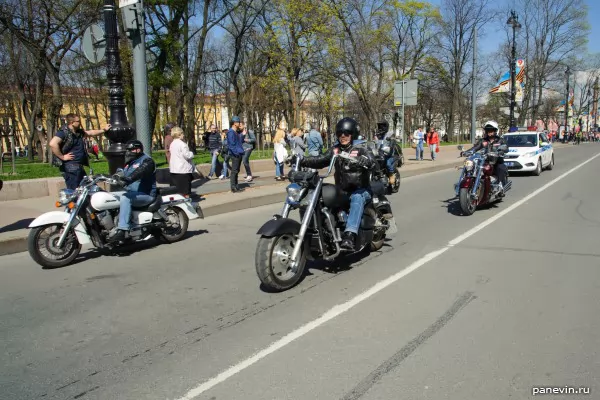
x=491, y=138
x=383, y=134
x=139, y=175
x=351, y=177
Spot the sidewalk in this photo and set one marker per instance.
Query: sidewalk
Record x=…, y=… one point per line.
x=16, y=215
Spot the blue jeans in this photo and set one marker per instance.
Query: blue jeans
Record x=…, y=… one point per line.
x=246, y=162
x=213, y=164
x=389, y=163
x=128, y=200
x=358, y=199
x=419, y=149
x=279, y=169
x=225, y=165
x=73, y=174
x=432, y=148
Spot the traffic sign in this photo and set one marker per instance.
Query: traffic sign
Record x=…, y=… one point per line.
x=409, y=88
x=125, y=3
x=94, y=44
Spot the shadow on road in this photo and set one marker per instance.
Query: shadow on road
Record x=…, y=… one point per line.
x=15, y=226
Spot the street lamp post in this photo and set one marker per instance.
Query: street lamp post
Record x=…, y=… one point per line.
x=120, y=131
x=514, y=21
x=567, y=73
x=589, y=96
x=595, y=102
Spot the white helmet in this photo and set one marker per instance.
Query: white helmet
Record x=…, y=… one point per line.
x=491, y=124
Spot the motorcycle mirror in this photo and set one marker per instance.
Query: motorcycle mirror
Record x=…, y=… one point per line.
x=460, y=147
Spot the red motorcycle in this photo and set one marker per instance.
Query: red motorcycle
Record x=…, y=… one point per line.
x=477, y=184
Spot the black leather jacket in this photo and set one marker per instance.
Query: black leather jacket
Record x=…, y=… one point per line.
x=348, y=175
x=493, y=142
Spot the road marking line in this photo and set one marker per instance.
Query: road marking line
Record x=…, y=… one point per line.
x=342, y=308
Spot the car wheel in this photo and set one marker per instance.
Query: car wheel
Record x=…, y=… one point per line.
x=538, y=168
x=551, y=165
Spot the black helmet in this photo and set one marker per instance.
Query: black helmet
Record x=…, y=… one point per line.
x=347, y=125
x=383, y=127
x=132, y=145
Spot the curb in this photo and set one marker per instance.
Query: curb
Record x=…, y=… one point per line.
x=18, y=245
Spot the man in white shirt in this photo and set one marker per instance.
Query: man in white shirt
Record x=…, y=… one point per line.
x=418, y=138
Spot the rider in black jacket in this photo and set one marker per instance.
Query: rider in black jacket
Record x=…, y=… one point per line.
x=492, y=140
x=351, y=177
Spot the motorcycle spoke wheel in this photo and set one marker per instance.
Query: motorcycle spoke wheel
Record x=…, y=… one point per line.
x=176, y=225
x=43, y=248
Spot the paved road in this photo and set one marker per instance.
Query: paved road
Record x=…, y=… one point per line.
x=496, y=313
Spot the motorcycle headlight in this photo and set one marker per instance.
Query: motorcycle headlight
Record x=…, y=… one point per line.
x=294, y=193
x=66, y=195
x=386, y=149
x=469, y=165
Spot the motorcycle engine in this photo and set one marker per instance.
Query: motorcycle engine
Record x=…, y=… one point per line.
x=106, y=220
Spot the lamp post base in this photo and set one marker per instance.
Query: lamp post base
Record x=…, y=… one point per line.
x=115, y=155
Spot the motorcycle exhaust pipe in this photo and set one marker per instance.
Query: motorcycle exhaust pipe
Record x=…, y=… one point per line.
x=507, y=186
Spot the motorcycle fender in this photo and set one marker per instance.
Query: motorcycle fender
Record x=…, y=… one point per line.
x=466, y=183
x=187, y=207
x=60, y=217
x=279, y=226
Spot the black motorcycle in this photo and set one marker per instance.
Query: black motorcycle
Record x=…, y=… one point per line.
x=286, y=244
x=381, y=153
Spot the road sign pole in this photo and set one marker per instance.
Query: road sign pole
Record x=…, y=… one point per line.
x=133, y=15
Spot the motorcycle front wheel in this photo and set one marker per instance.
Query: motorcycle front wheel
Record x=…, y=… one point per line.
x=467, y=204
x=273, y=262
x=42, y=247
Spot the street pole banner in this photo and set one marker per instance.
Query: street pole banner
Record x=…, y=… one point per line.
x=503, y=85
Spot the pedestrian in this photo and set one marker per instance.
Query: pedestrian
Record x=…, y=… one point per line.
x=224, y=154
x=249, y=141
x=280, y=154
x=433, y=140
x=96, y=150
x=181, y=165
x=314, y=141
x=214, y=143
x=298, y=145
x=168, y=140
x=236, y=151
x=418, y=138
x=69, y=149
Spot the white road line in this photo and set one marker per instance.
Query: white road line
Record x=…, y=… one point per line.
x=341, y=308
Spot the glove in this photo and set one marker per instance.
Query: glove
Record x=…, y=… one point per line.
x=364, y=162
x=120, y=179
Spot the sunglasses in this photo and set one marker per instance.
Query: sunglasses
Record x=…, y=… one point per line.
x=344, y=134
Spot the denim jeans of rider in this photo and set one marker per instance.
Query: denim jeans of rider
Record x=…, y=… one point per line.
x=128, y=200
x=419, y=151
x=389, y=163
x=358, y=199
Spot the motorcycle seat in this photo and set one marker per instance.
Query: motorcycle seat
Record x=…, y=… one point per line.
x=152, y=207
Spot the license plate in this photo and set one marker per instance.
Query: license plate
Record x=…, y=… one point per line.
x=509, y=164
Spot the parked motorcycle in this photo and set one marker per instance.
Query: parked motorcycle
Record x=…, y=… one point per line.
x=286, y=244
x=90, y=213
x=381, y=153
x=477, y=184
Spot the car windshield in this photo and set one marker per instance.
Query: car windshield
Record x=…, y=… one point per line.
x=521, y=140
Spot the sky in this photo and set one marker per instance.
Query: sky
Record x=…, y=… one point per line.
x=495, y=34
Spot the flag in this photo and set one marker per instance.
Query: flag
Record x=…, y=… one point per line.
x=503, y=85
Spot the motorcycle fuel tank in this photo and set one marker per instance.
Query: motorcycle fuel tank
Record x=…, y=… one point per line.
x=101, y=201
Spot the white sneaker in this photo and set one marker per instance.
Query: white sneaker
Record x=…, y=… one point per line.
x=222, y=177
x=248, y=178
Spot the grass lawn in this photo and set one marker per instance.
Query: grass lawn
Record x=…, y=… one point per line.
x=35, y=170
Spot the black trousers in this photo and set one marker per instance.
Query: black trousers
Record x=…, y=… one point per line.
x=183, y=182
x=236, y=161
x=502, y=172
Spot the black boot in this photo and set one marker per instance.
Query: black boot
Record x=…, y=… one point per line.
x=117, y=235
x=348, y=240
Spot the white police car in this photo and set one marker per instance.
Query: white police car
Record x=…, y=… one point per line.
x=528, y=151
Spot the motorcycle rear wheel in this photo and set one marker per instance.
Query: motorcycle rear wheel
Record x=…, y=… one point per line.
x=177, y=225
x=41, y=245
x=396, y=186
x=272, y=261
x=467, y=205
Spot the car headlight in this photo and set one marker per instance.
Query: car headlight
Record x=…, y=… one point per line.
x=66, y=195
x=530, y=154
x=294, y=193
x=469, y=165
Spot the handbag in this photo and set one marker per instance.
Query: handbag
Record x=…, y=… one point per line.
x=437, y=148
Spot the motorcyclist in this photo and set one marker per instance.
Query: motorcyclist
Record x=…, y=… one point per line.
x=351, y=177
x=139, y=175
x=383, y=134
x=491, y=140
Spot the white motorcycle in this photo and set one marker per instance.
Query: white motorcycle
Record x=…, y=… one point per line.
x=90, y=213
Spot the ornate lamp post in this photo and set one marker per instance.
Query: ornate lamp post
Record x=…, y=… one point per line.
x=589, y=110
x=120, y=131
x=568, y=74
x=595, y=103
x=514, y=21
